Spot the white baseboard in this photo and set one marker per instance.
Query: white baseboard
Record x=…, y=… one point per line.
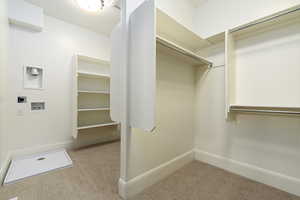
x=141, y=182
x=271, y=178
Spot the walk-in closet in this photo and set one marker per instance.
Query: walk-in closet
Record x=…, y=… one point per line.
x=149, y=99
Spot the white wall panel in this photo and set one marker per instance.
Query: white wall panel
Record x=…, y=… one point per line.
x=142, y=67
x=116, y=76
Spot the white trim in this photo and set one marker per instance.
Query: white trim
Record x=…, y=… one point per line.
x=145, y=180
x=268, y=177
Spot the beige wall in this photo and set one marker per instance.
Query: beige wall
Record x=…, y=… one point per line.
x=175, y=103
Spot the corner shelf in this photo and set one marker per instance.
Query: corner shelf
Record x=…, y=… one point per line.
x=97, y=125
x=93, y=92
x=197, y=60
x=92, y=75
x=168, y=27
x=92, y=109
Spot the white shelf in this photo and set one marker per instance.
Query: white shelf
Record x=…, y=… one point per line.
x=92, y=109
x=183, y=52
x=235, y=106
x=93, y=92
x=92, y=59
x=97, y=125
x=270, y=22
x=170, y=28
x=266, y=109
x=92, y=75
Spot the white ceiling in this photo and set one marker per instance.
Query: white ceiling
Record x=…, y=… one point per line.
x=68, y=10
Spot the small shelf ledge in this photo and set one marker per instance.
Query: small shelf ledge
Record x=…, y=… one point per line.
x=92, y=109
x=97, y=125
x=92, y=59
x=92, y=75
x=93, y=92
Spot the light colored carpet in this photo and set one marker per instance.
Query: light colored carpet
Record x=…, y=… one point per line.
x=200, y=181
x=94, y=176
x=96, y=172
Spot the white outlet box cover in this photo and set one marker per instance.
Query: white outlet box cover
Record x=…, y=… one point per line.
x=28, y=166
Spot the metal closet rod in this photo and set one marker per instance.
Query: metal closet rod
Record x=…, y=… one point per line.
x=182, y=51
x=266, y=111
x=265, y=20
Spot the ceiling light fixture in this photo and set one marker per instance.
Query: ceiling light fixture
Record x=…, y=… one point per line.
x=94, y=5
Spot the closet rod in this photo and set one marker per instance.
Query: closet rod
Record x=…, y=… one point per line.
x=264, y=20
x=182, y=51
x=266, y=111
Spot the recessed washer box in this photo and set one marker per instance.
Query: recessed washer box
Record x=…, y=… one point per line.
x=33, y=77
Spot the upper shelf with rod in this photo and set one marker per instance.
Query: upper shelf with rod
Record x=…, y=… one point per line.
x=196, y=59
x=175, y=32
x=267, y=23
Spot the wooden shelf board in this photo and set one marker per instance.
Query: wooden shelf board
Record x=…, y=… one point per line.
x=97, y=125
x=92, y=109
x=93, y=92
x=92, y=75
x=92, y=59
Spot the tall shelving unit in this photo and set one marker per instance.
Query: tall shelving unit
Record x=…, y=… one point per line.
x=91, y=94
